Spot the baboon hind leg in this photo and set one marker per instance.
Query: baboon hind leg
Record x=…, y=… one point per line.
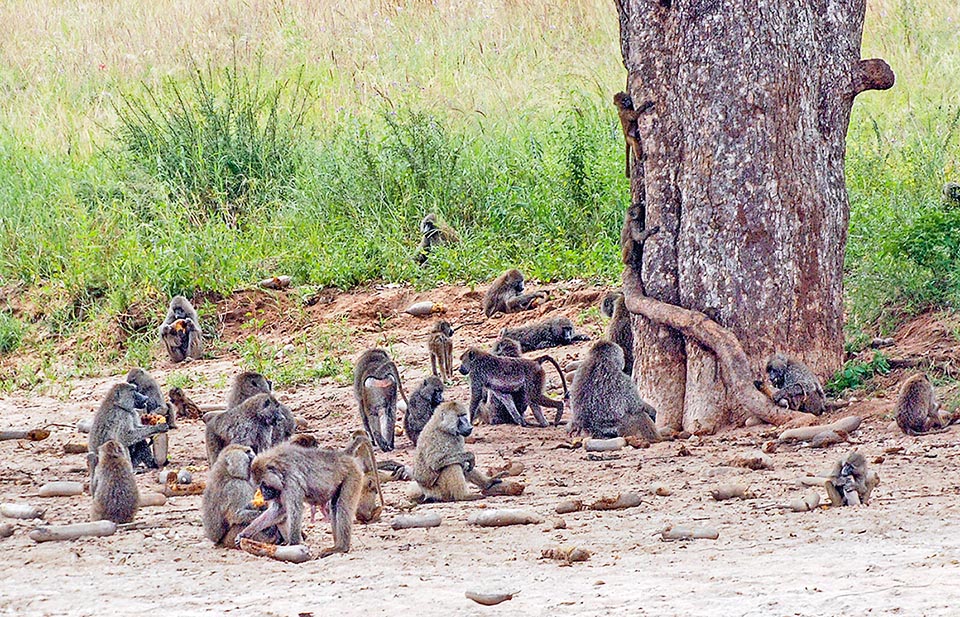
x=506, y=399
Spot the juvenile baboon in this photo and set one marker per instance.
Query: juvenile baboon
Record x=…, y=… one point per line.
x=113, y=486
x=440, y=345
x=376, y=382
x=253, y=423
x=506, y=295
x=371, y=502
x=180, y=331
x=185, y=408
x=443, y=466
x=951, y=194
x=549, y=333
x=435, y=232
x=619, y=329
x=628, y=123
x=227, y=507
x=851, y=483
x=604, y=400
x=423, y=401
x=245, y=385
x=917, y=408
x=156, y=403
x=288, y=475
x=503, y=376
x=119, y=418
x=796, y=386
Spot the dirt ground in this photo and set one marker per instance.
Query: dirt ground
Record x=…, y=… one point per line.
x=897, y=556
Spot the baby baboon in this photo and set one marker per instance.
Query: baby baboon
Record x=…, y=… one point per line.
x=371, y=502
x=628, y=122
x=797, y=387
x=423, y=402
x=156, y=403
x=504, y=376
x=605, y=402
x=185, y=408
x=440, y=345
x=851, y=483
x=376, y=382
x=951, y=194
x=917, y=408
x=435, y=232
x=288, y=475
x=180, y=332
x=619, y=329
x=119, y=418
x=253, y=423
x=550, y=333
x=245, y=385
x=506, y=295
x=227, y=507
x=113, y=486
x=443, y=466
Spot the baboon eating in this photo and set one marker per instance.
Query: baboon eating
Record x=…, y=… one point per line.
x=504, y=376
x=604, y=400
x=156, y=403
x=440, y=345
x=423, y=401
x=252, y=423
x=506, y=295
x=114, y=489
x=227, y=507
x=917, y=408
x=443, y=466
x=180, y=331
x=550, y=333
x=619, y=330
x=435, y=232
x=288, y=475
x=851, y=483
x=119, y=418
x=797, y=387
x=376, y=382
x=371, y=502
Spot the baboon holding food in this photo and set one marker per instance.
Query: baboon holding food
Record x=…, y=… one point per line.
x=917, y=408
x=435, y=232
x=114, y=489
x=604, y=399
x=423, y=401
x=376, y=382
x=180, y=331
x=227, y=507
x=288, y=475
x=371, y=502
x=253, y=423
x=619, y=329
x=119, y=418
x=443, y=467
x=550, y=333
x=440, y=346
x=797, y=388
x=851, y=483
x=156, y=403
x=503, y=376
x=506, y=295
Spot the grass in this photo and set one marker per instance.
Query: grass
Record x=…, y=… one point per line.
x=149, y=150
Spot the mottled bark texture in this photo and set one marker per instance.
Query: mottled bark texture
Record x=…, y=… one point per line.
x=742, y=171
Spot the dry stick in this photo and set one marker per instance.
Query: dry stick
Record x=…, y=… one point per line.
x=732, y=359
x=52, y=533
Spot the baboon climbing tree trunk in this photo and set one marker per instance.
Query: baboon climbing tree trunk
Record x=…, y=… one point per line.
x=745, y=111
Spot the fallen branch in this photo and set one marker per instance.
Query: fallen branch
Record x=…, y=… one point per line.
x=689, y=533
x=37, y=434
x=56, y=533
x=416, y=521
x=502, y=518
x=297, y=553
x=806, y=433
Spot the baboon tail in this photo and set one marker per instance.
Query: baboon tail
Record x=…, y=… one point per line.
x=563, y=380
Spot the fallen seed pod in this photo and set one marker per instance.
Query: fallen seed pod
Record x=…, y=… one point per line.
x=506, y=488
x=806, y=433
x=604, y=445
x=570, y=554
x=275, y=282
x=6, y=530
x=416, y=521
x=512, y=468
x=161, y=443
x=75, y=448
x=56, y=533
x=620, y=502
x=489, y=599
x=37, y=434
x=826, y=439
x=568, y=506
x=61, y=489
x=20, y=510
x=427, y=307
x=753, y=460
x=689, y=533
x=810, y=501
x=502, y=518
x=730, y=491
x=151, y=499
x=296, y=553
x=184, y=477
x=179, y=490
x=83, y=426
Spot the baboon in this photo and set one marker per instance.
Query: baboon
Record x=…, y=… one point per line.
x=119, y=418
x=503, y=376
x=371, y=502
x=440, y=345
x=423, y=401
x=156, y=403
x=619, y=329
x=797, y=387
x=253, y=423
x=951, y=194
x=917, y=408
x=628, y=123
x=376, y=381
x=227, y=507
x=443, y=466
x=542, y=335
x=113, y=486
x=492, y=411
x=185, y=408
x=435, y=232
x=506, y=295
x=605, y=402
x=288, y=475
x=305, y=440
x=180, y=332
x=245, y=385
x=851, y=483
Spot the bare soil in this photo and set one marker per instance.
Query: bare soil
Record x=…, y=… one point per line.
x=897, y=556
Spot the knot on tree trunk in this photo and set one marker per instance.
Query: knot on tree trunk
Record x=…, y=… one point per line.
x=872, y=74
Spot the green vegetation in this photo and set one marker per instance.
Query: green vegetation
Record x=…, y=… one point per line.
x=855, y=372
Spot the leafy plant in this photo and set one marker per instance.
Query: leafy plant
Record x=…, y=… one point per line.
x=855, y=372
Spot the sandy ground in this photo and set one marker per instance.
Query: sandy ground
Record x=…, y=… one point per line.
x=897, y=556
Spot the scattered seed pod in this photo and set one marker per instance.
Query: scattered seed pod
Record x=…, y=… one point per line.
x=54, y=533
x=689, y=533
x=569, y=554
x=296, y=553
x=604, y=445
x=416, y=521
x=731, y=491
x=810, y=501
x=489, y=599
x=21, y=510
x=427, y=307
x=620, y=502
x=276, y=282
x=502, y=518
x=61, y=489
x=568, y=506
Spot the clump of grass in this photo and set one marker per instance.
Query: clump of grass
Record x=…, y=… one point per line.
x=855, y=372
x=11, y=332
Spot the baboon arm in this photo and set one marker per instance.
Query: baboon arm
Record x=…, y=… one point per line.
x=242, y=516
x=464, y=459
x=139, y=433
x=273, y=515
x=480, y=479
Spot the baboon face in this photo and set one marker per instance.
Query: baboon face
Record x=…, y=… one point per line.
x=127, y=397
x=854, y=465
x=623, y=100
x=429, y=224
x=466, y=361
x=444, y=327
x=368, y=508
x=268, y=480
x=437, y=397
x=777, y=369
x=454, y=419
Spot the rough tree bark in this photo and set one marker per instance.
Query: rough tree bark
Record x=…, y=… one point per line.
x=743, y=173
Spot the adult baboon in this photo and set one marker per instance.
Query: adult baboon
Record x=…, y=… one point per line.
x=435, y=232
x=851, y=483
x=917, y=409
x=227, y=507
x=156, y=403
x=119, y=418
x=492, y=411
x=619, y=330
x=542, y=335
x=376, y=382
x=797, y=387
x=114, y=489
x=180, y=331
x=252, y=423
x=245, y=385
x=423, y=401
x=506, y=295
x=440, y=346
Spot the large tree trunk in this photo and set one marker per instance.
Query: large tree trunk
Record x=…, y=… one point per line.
x=742, y=171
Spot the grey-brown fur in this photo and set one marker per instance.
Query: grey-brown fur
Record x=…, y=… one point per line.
x=423, y=401
x=227, y=509
x=435, y=232
x=440, y=346
x=505, y=295
x=180, y=331
x=951, y=194
x=156, y=402
x=851, y=482
x=619, y=330
x=371, y=501
x=376, y=382
x=114, y=488
x=253, y=423
x=493, y=411
x=604, y=399
x=245, y=385
x=119, y=418
x=542, y=335
x=797, y=388
x=917, y=409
